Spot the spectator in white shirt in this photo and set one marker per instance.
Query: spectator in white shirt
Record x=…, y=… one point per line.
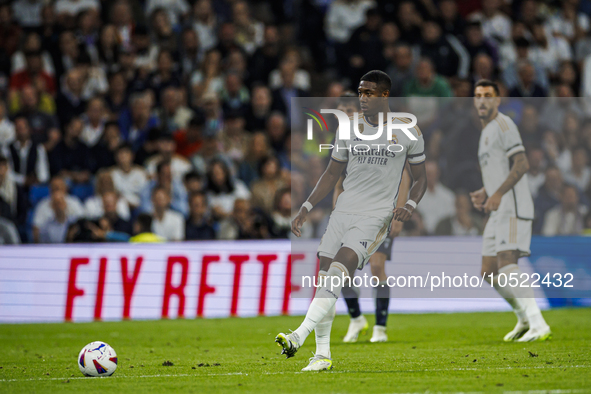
x=166, y=147
x=205, y=24
x=579, y=173
x=94, y=122
x=129, y=179
x=27, y=13
x=566, y=218
x=438, y=200
x=6, y=126
x=166, y=223
x=55, y=228
x=568, y=22
x=495, y=24
x=223, y=190
x=74, y=7
x=249, y=33
x=45, y=213
x=94, y=207
x=344, y=16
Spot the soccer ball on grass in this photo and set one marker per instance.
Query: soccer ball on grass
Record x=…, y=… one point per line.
x=97, y=359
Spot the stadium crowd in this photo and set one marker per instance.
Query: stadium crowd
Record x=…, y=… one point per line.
x=172, y=117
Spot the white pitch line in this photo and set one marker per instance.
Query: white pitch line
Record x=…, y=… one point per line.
x=197, y=375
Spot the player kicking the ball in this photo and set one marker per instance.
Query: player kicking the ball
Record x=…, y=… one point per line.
x=506, y=196
x=361, y=219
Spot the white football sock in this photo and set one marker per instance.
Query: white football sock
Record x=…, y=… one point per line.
x=322, y=330
x=507, y=292
x=325, y=299
x=525, y=297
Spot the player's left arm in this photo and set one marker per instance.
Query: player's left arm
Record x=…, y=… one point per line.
x=417, y=190
x=403, y=191
x=519, y=167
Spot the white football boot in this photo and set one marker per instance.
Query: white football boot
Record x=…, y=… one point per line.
x=357, y=326
x=319, y=363
x=520, y=329
x=379, y=334
x=536, y=334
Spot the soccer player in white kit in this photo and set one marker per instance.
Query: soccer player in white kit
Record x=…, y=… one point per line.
x=506, y=196
x=362, y=215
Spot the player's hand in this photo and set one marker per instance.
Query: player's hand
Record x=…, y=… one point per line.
x=298, y=221
x=404, y=213
x=493, y=202
x=396, y=228
x=478, y=197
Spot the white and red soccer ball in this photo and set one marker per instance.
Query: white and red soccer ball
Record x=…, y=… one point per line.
x=97, y=359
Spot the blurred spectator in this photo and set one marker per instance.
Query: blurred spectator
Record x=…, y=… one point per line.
x=450, y=20
x=205, y=23
x=243, y=223
x=166, y=152
x=568, y=22
x=177, y=9
x=8, y=190
x=277, y=131
x=94, y=206
x=235, y=96
x=426, y=82
x=526, y=85
x=129, y=179
x=165, y=75
x=249, y=32
x=579, y=174
x=548, y=196
x=282, y=96
x=463, y=222
x=535, y=175
x=12, y=19
x=281, y=215
x=174, y=188
x=266, y=58
x=32, y=43
x=136, y=123
x=189, y=140
x=208, y=80
x=103, y=153
x=111, y=203
x=401, y=70
x=163, y=31
x=38, y=108
x=94, y=79
x=198, y=225
x=365, y=46
x=6, y=126
x=344, y=16
x=260, y=109
x=566, y=218
x=94, y=122
x=33, y=74
x=257, y=151
x=8, y=233
x=289, y=73
x=447, y=53
x=142, y=230
x=234, y=137
x=265, y=189
x=70, y=102
x=223, y=189
x=166, y=223
x=116, y=99
x=71, y=158
x=554, y=111
x=191, y=54
x=518, y=59
x=495, y=24
x=27, y=159
x=475, y=42
x=438, y=200
x=27, y=13
x=194, y=183
x=55, y=226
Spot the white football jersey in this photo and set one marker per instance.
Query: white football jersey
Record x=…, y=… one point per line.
x=499, y=141
x=374, y=172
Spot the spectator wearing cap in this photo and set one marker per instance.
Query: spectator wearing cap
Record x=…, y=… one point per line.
x=173, y=187
x=173, y=114
x=166, y=151
x=166, y=223
x=45, y=212
x=129, y=179
x=198, y=226
x=71, y=158
x=190, y=140
x=33, y=74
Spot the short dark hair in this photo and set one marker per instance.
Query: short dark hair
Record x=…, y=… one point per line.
x=381, y=79
x=192, y=175
x=161, y=165
x=486, y=83
x=145, y=222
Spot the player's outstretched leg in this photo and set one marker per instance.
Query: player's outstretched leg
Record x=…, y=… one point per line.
x=321, y=360
x=358, y=324
x=325, y=299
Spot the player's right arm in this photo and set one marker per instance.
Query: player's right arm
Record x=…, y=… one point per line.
x=325, y=185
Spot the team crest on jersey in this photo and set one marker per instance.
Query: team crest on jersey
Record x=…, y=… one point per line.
x=394, y=139
x=360, y=128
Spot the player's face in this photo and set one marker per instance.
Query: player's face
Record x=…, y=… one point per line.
x=486, y=101
x=370, y=97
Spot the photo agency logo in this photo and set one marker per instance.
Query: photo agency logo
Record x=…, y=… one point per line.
x=402, y=121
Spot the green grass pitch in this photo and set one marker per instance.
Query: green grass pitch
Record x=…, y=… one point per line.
x=426, y=353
